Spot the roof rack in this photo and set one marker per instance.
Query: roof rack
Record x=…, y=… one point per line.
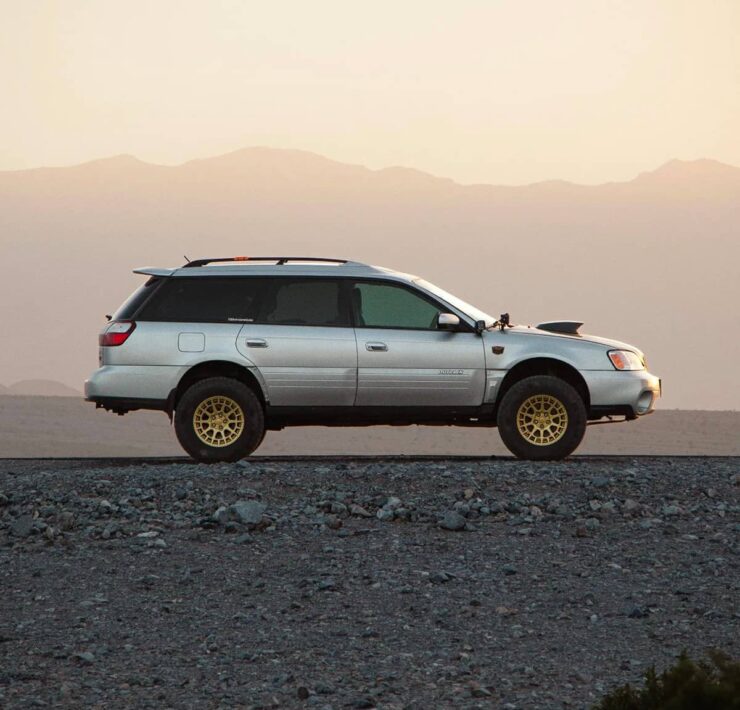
x=281, y=260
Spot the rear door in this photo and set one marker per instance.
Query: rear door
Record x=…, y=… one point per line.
x=404, y=359
x=303, y=343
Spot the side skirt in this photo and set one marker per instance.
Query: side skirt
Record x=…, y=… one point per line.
x=279, y=417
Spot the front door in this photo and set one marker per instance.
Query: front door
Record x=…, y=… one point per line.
x=403, y=359
x=303, y=343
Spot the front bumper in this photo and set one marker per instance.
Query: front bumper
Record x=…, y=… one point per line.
x=632, y=393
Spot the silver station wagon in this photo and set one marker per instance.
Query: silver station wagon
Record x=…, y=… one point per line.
x=232, y=347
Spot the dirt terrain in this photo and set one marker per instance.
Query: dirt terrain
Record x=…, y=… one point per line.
x=360, y=583
x=65, y=426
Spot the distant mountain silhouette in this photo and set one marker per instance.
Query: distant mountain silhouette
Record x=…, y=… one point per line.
x=45, y=388
x=652, y=260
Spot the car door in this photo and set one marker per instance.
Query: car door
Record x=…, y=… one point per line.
x=303, y=343
x=403, y=358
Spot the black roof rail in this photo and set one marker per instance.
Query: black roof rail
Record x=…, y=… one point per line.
x=281, y=260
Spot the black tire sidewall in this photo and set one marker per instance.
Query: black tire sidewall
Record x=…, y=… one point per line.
x=541, y=384
x=251, y=436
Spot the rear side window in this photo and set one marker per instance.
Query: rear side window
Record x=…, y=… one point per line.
x=206, y=299
x=315, y=302
x=137, y=298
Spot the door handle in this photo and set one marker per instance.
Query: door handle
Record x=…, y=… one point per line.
x=376, y=347
x=256, y=343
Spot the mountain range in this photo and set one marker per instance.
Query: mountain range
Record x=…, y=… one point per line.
x=652, y=261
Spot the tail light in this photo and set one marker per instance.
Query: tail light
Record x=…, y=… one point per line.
x=117, y=333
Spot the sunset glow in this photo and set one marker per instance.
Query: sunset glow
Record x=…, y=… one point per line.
x=501, y=92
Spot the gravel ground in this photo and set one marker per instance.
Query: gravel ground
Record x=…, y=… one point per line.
x=360, y=583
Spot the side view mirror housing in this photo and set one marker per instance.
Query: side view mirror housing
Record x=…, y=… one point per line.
x=480, y=326
x=448, y=321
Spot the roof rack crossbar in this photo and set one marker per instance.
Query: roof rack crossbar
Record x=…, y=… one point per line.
x=280, y=260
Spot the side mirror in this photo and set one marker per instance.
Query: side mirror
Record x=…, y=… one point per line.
x=448, y=321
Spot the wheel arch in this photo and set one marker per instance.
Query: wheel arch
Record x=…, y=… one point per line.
x=215, y=368
x=544, y=366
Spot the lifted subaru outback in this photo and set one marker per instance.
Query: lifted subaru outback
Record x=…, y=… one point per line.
x=233, y=347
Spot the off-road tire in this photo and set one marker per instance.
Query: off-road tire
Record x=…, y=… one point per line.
x=514, y=406
x=234, y=397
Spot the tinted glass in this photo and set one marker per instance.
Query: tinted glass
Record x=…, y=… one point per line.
x=134, y=301
x=388, y=306
x=304, y=302
x=206, y=299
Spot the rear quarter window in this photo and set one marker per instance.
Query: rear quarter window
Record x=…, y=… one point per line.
x=205, y=299
x=132, y=304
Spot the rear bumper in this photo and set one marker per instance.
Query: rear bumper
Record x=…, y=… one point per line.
x=632, y=393
x=122, y=388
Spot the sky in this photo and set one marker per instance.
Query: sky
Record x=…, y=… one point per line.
x=505, y=92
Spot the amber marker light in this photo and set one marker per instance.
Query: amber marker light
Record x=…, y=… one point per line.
x=625, y=360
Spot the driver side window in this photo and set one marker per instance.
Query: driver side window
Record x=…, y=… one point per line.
x=380, y=305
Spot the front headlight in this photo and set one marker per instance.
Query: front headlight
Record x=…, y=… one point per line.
x=625, y=360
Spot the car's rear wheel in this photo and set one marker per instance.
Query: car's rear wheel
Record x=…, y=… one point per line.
x=541, y=418
x=219, y=419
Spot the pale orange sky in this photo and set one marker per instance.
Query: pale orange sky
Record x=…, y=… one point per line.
x=508, y=91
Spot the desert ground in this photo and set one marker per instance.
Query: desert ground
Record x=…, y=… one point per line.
x=380, y=583
x=68, y=426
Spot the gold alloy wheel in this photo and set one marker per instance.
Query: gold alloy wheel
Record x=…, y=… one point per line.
x=542, y=419
x=218, y=421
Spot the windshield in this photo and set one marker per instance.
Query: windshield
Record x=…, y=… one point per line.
x=458, y=303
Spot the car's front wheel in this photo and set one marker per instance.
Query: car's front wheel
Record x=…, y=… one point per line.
x=541, y=418
x=219, y=419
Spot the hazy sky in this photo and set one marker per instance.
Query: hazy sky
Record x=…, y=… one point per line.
x=503, y=91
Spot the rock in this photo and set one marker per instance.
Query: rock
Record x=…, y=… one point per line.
x=462, y=508
x=671, y=510
x=22, y=526
x=452, y=521
x=478, y=691
x=637, y=612
x=508, y=570
x=109, y=531
x=359, y=511
x=440, y=577
x=593, y=524
x=630, y=506
x=332, y=522
x=66, y=520
x=247, y=512
x=221, y=515
x=85, y=657
x=385, y=514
